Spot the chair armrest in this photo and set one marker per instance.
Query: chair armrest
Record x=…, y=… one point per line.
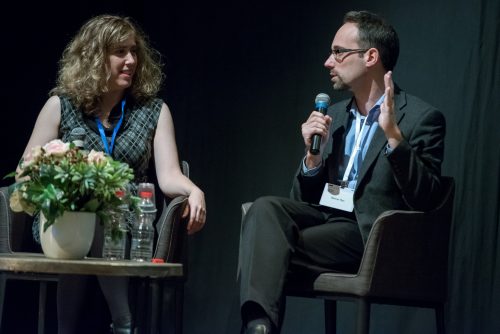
x=171, y=231
x=171, y=245
x=410, y=259
x=244, y=209
x=409, y=252
x=404, y=252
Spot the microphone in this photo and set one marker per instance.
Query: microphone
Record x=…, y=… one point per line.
x=322, y=102
x=77, y=136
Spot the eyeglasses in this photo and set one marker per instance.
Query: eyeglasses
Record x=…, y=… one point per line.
x=337, y=53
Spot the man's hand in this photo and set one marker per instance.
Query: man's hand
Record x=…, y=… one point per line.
x=387, y=118
x=317, y=123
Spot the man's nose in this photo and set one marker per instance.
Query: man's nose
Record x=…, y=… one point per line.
x=329, y=62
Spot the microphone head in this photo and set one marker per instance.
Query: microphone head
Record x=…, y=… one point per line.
x=78, y=133
x=77, y=136
x=322, y=100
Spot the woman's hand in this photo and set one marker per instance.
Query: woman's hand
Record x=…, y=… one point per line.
x=196, y=209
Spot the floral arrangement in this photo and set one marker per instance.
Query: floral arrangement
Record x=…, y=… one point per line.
x=59, y=177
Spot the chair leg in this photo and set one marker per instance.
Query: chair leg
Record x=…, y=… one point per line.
x=330, y=316
x=42, y=302
x=172, y=303
x=155, y=306
x=3, y=281
x=179, y=305
x=141, y=306
x=440, y=328
x=363, y=325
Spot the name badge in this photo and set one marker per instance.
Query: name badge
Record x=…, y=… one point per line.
x=336, y=197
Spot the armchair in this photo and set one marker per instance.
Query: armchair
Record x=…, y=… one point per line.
x=171, y=246
x=13, y=227
x=405, y=262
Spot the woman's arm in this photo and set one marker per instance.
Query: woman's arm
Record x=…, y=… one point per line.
x=46, y=126
x=170, y=178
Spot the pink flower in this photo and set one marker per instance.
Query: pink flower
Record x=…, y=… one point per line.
x=56, y=147
x=32, y=156
x=96, y=156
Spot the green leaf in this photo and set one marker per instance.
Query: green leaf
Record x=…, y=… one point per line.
x=91, y=206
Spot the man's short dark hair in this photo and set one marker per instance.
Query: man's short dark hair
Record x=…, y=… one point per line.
x=375, y=32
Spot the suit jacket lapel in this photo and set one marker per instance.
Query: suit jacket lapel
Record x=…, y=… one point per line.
x=337, y=135
x=341, y=118
x=379, y=141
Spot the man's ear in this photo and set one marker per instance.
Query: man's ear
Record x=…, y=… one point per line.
x=372, y=57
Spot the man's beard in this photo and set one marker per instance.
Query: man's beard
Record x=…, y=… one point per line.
x=340, y=85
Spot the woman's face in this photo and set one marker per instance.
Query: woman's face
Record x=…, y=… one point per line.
x=122, y=64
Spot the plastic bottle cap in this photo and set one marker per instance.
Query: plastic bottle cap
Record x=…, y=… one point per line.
x=146, y=194
x=157, y=260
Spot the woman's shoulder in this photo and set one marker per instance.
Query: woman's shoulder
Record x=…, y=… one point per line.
x=51, y=110
x=155, y=104
x=65, y=102
x=53, y=103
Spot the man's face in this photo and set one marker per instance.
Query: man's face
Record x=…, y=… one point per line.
x=346, y=63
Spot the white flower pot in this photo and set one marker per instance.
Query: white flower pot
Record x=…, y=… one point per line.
x=70, y=237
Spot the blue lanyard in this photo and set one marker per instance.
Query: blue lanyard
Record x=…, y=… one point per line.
x=109, y=149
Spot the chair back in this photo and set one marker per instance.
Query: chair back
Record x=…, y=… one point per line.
x=5, y=217
x=406, y=255
x=15, y=227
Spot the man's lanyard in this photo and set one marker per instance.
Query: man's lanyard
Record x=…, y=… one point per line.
x=359, y=137
x=109, y=149
x=357, y=147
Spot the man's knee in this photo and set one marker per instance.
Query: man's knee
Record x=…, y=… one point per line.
x=265, y=204
x=268, y=215
x=265, y=208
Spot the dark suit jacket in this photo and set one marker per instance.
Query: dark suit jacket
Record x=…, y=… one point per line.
x=406, y=179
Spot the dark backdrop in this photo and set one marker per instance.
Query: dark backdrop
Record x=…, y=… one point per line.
x=241, y=78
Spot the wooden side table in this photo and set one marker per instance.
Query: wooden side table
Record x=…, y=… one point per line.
x=152, y=275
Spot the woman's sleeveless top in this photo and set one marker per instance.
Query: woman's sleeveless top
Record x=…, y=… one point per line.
x=134, y=141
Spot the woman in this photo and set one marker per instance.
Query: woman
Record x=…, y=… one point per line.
x=108, y=79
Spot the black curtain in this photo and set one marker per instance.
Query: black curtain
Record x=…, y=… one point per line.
x=241, y=78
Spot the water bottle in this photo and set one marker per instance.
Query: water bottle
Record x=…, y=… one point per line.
x=115, y=232
x=142, y=229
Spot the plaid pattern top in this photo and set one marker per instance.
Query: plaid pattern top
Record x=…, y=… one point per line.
x=133, y=144
x=134, y=141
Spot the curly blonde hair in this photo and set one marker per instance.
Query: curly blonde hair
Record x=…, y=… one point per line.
x=84, y=71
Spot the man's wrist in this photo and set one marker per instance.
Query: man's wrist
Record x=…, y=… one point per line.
x=313, y=161
x=394, y=137
x=306, y=171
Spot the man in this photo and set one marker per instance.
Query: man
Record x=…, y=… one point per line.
x=380, y=150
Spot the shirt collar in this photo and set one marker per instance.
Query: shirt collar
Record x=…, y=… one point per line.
x=372, y=114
